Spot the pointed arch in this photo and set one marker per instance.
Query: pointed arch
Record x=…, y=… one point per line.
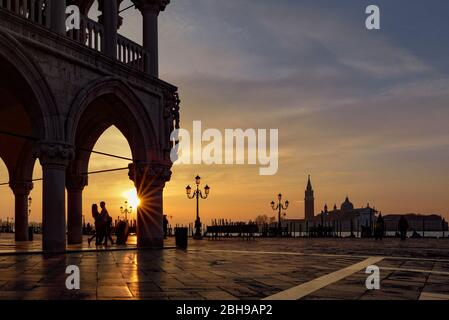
x=105, y=102
x=45, y=112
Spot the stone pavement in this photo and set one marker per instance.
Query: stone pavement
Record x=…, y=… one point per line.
x=236, y=269
x=8, y=246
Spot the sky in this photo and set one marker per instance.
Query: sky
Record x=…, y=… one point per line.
x=363, y=112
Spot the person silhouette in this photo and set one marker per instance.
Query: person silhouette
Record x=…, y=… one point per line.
x=403, y=227
x=379, y=228
x=99, y=226
x=107, y=219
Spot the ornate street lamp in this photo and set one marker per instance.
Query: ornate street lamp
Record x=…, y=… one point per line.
x=126, y=210
x=279, y=207
x=197, y=194
x=30, y=200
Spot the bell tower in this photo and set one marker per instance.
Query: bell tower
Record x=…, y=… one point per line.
x=309, y=202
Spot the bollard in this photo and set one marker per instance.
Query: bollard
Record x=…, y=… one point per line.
x=181, y=237
x=30, y=233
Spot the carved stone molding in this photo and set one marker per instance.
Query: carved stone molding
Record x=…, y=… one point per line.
x=76, y=182
x=171, y=117
x=145, y=174
x=171, y=108
x=21, y=187
x=53, y=153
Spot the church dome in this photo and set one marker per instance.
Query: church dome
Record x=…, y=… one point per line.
x=347, y=205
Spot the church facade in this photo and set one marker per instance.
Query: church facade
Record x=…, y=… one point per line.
x=348, y=220
x=345, y=218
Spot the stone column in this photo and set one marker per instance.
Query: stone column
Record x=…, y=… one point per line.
x=150, y=180
x=58, y=16
x=150, y=11
x=75, y=186
x=109, y=18
x=54, y=158
x=21, y=192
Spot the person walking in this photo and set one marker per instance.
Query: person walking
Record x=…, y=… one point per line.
x=379, y=228
x=403, y=227
x=99, y=226
x=107, y=219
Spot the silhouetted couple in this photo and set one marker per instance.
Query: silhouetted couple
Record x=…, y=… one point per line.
x=103, y=225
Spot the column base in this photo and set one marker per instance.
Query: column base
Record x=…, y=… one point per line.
x=54, y=246
x=155, y=243
x=198, y=237
x=21, y=237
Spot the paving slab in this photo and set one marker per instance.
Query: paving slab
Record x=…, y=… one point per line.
x=234, y=269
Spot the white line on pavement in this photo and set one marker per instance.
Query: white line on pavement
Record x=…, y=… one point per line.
x=307, y=288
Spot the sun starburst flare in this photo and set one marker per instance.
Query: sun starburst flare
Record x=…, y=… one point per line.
x=132, y=198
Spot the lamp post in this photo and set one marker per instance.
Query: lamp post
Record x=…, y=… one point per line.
x=126, y=210
x=197, y=194
x=170, y=225
x=279, y=207
x=30, y=200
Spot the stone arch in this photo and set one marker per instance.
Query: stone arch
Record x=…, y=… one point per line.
x=45, y=112
x=104, y=103
x=26, y=91
x=28, y=113
x=122, y=108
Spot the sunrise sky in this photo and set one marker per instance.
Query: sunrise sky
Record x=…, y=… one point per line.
x=364, y=112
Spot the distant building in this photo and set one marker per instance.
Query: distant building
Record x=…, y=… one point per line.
x=344, y=219
x=309, y=201
x=347, y=218
x=417, y=222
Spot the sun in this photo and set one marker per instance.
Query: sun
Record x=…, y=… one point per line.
x=132, y=198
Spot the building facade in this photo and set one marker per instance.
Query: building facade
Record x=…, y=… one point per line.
x=417, y=222
x=309, y=201
x=348, y=219
x=61, y=90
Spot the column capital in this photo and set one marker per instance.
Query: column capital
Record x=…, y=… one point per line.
x=153, y=174
x=54, y=153
x=151, y=5
x=76, y=182
x=21, y=187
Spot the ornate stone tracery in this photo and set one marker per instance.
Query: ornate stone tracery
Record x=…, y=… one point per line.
x=21, y=187
x=172, y=117
x=76, y=182
x=149, y=174
x=54, y=153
